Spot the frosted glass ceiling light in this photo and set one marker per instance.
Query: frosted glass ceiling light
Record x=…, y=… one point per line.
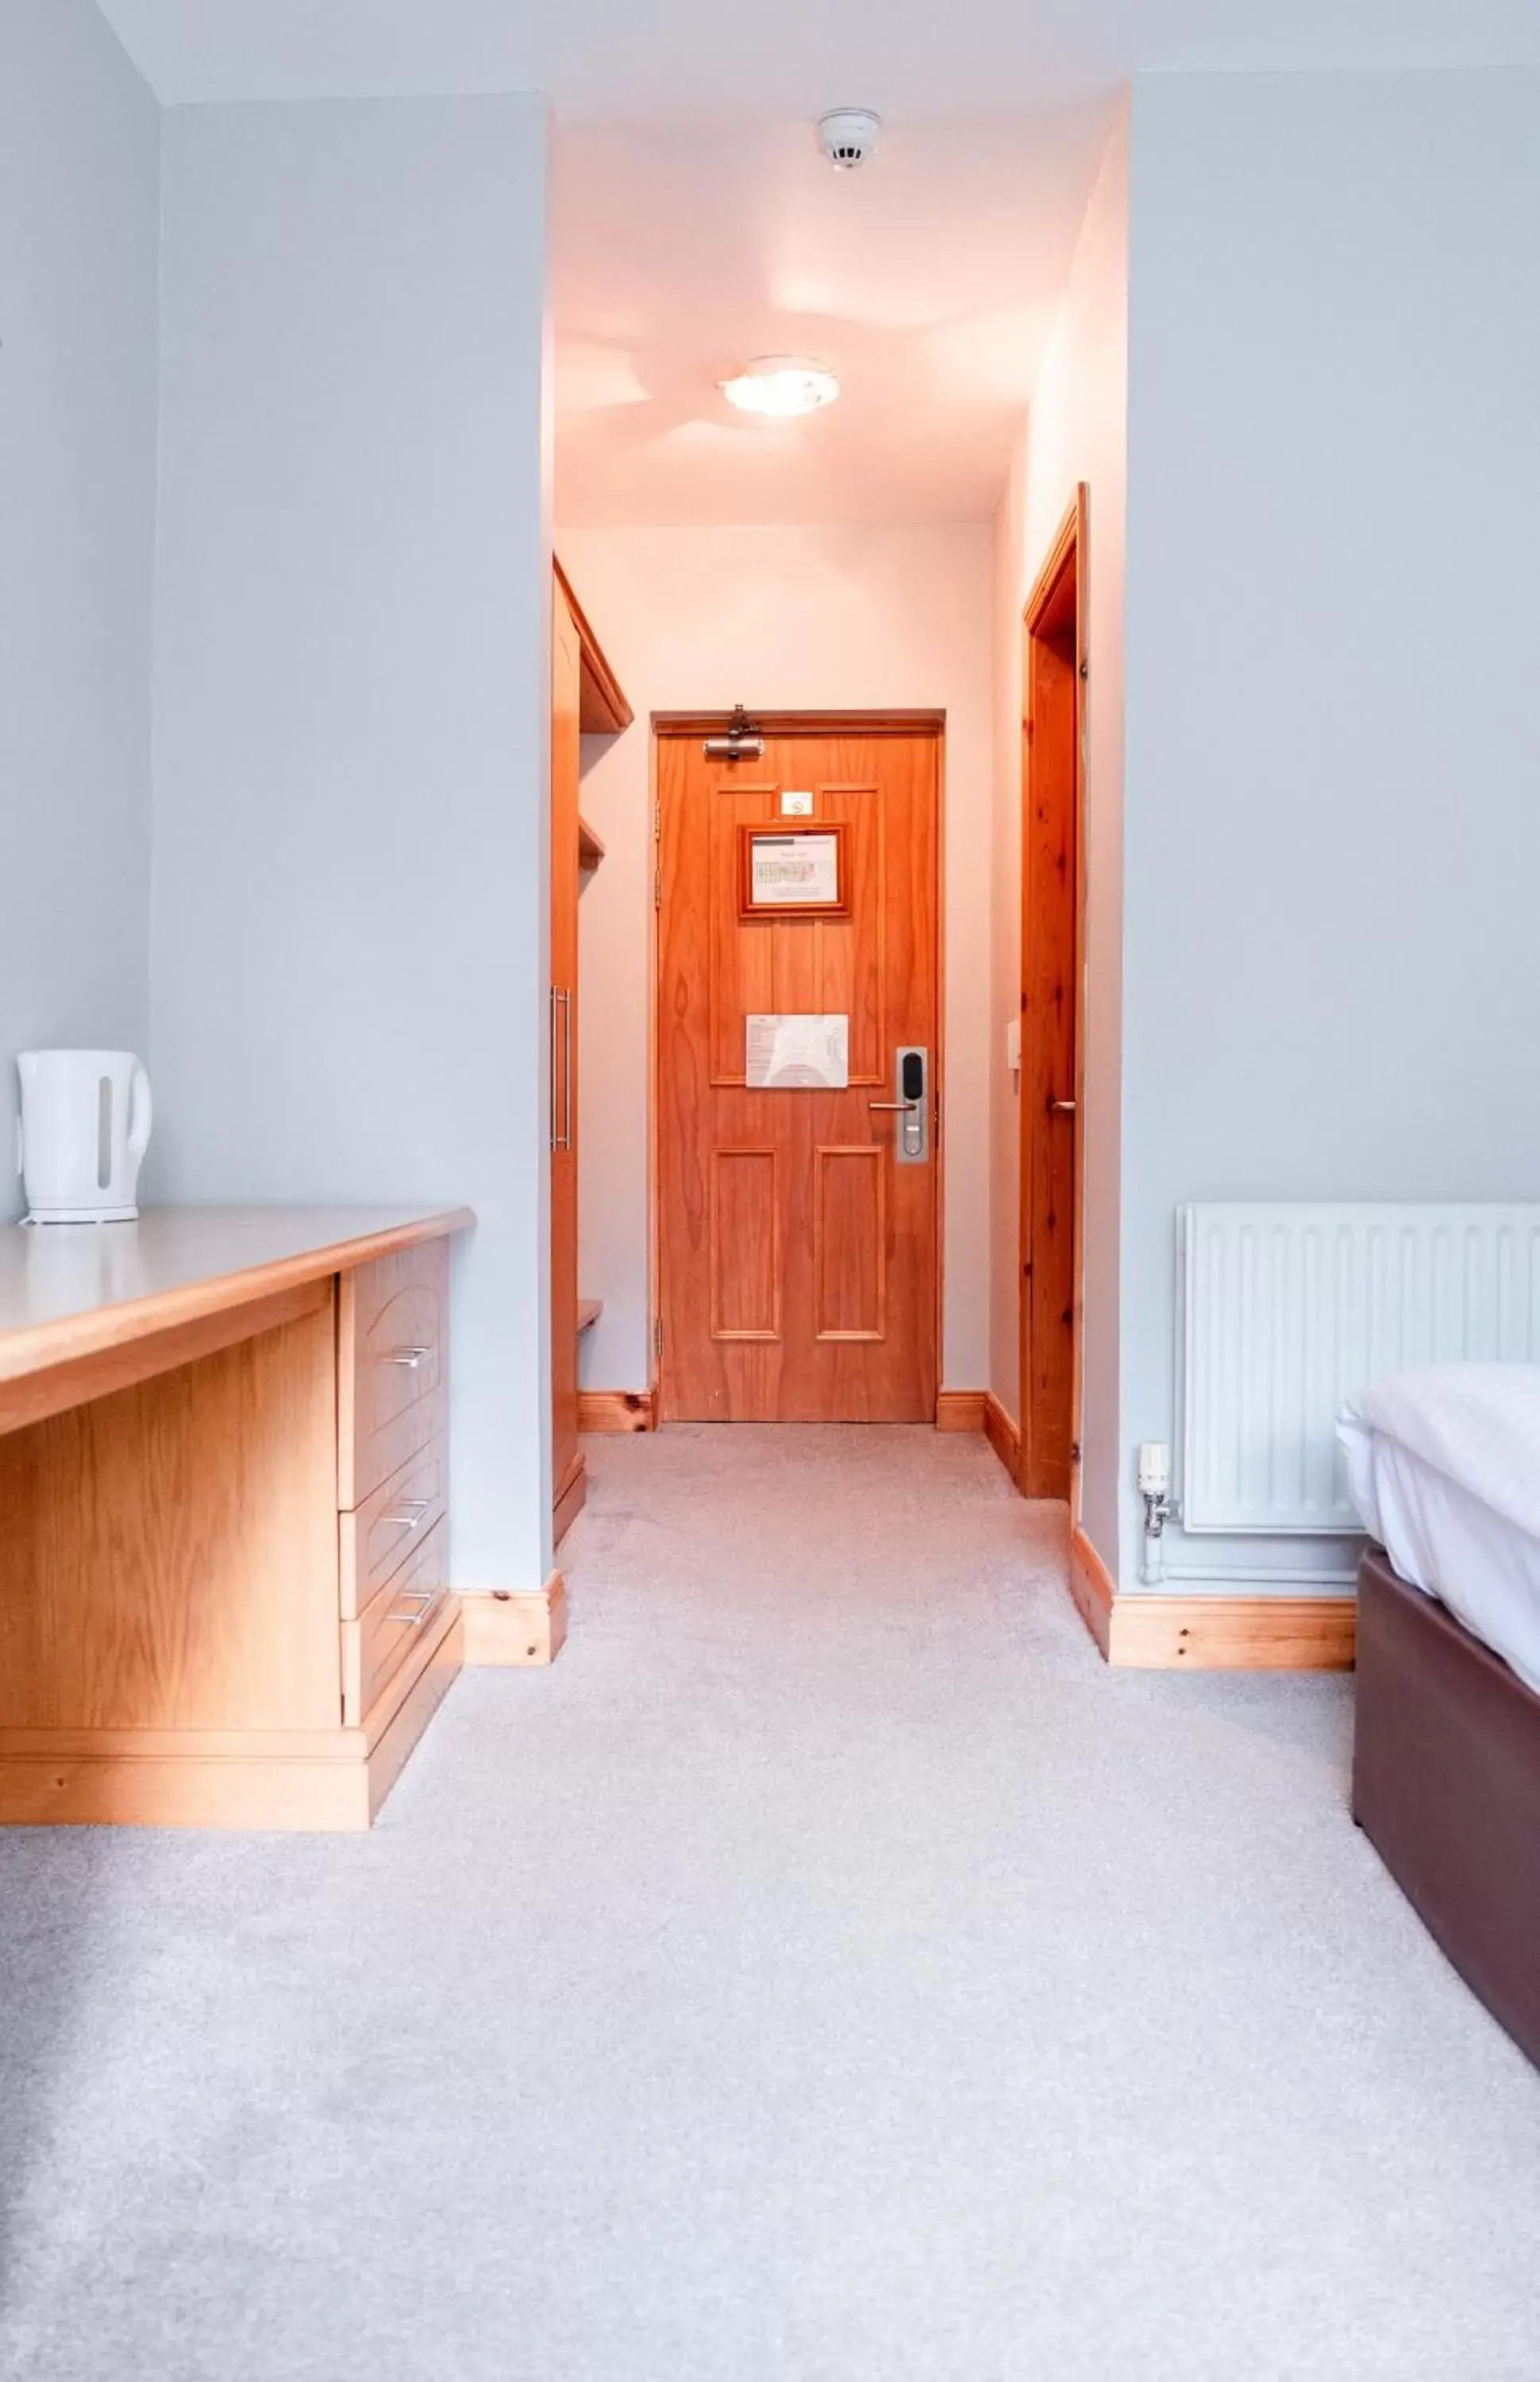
x=781, y=385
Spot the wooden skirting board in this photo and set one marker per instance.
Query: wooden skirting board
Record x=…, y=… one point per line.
x=616, y=1411
x=503, y=1630
x=980, y=1410
x=1209, y=1633
x=1002, y=1434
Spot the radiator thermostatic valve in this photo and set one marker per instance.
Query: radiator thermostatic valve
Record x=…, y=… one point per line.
x=1155, y=1468
x=1154, y=1476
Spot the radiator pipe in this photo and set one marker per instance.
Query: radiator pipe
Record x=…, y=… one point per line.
x=1157, y=1506
x=1257, y=1576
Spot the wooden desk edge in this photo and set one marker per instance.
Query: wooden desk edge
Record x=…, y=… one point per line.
x=97, y=1330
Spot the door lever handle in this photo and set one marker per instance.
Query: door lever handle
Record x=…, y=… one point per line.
x=898, y=1107
x=1061, y=1108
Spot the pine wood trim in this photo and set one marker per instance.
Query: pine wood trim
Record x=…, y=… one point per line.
x=1234, y=1633
x=612, y=1411
x=1092, y=1588
x=1065, y=547
x=603, y=707
x=959, y=1409
x=570, y=1499
x=1002, y=1433
x=804, y=723
x=508, y=1629
x=1136, y=1632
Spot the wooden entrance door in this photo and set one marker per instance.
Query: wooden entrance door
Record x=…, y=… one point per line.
x=797, y=1247
x=1052, y=876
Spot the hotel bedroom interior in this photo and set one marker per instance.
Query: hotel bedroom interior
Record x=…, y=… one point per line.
x=770, y=1308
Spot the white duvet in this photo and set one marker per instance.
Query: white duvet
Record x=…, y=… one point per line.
x=1444, y=1470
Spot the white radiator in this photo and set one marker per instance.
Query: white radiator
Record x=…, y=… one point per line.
x=1289, y=1308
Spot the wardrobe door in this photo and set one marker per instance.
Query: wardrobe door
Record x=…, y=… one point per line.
x=567, y=1456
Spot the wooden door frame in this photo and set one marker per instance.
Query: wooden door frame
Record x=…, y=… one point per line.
x=772, y=724
x=1069, y=551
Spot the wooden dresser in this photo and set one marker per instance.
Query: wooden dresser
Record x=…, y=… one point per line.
x=224, y=1468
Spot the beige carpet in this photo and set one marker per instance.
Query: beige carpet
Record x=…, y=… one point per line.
x=828, y=1973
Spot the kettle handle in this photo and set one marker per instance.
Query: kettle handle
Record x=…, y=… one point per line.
x=26, y=1068
x=141, y=1112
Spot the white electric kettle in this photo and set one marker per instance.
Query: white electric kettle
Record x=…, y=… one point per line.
x=83, y=1128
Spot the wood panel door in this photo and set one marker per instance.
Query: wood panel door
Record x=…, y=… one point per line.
x=797, y=1248
x=567, y=1462
x=1052, y=1137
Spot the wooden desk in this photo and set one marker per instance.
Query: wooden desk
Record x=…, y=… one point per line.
x=224, y=1493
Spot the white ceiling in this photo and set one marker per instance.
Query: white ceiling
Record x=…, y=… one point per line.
x=694, y=224
x=928, y=280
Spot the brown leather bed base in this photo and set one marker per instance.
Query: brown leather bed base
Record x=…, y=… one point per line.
x=1447, y=1787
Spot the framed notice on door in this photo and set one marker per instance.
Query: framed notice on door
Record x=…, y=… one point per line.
x=793, y=871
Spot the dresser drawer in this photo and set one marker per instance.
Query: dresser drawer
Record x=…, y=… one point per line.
x=391, y=1524
x=396, y=1619
x=393, y=1366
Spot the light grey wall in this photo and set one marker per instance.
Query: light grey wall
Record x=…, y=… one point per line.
x=1332, y=822
x=78, y=176
x=351, y=709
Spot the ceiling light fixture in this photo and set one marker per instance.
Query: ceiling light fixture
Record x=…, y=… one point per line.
x=781, y=385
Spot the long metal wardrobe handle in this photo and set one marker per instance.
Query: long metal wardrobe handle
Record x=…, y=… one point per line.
x=566, y=1077
x=555, y=995
x=561, y=1060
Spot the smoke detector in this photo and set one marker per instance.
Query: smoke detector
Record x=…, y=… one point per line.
x=849, y=136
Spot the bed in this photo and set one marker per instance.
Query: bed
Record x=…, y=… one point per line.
x=1444, y=1466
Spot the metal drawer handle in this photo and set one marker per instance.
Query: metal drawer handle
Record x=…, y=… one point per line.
x=428, y=1598
x=410, y=1512
x=409, y=1357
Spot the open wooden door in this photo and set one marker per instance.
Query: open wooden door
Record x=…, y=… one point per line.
x=798, y=1221
x=1053, y=874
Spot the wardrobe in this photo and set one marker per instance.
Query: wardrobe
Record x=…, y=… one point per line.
x=586, y=700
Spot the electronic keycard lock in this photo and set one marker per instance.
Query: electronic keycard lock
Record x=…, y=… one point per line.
x=912, y=1141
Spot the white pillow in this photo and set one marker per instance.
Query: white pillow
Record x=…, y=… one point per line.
x=1477, y=1424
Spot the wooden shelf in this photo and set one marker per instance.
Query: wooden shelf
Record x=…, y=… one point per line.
x=603, y=710
x=589, y=1311
x=591, y=849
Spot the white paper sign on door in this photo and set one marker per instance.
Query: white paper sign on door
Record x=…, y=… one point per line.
x=787, y=869
x=797, y=1054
